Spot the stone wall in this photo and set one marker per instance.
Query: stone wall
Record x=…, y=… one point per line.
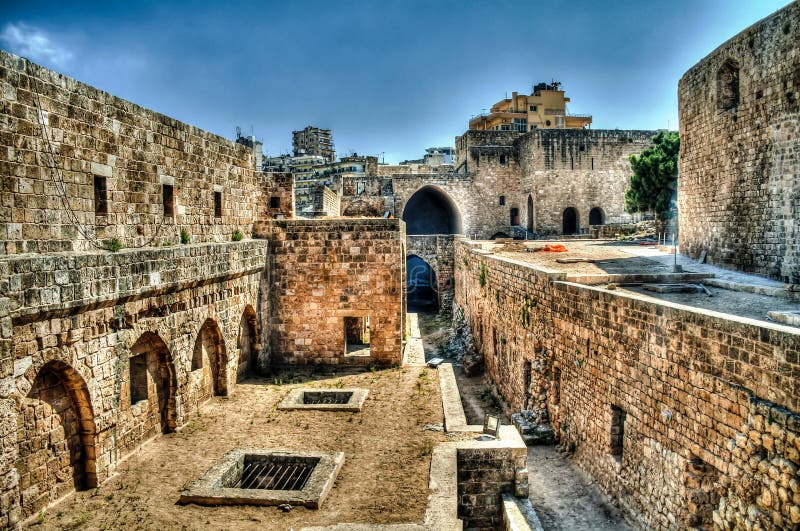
x=739, y=184
x=276, y=197
x=655, y=399
x=437, y=251
x=576, y=168
x=323, y=271
x=78, y=321
x=63, y=141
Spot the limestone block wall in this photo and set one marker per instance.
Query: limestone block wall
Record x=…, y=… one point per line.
x=438, y=251
x=578, y=168
x=276, y=197
x=739, y=184
x=323, y=271
x=62, y=141
x=72, y=327
x=670, y=408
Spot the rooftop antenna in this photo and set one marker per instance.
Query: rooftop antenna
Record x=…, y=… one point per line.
x=238, y=132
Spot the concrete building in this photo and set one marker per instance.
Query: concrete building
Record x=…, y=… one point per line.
x=544, y=108
x=313, y=141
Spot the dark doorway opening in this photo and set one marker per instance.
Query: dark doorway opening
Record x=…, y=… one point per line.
x=430, y=211
x=570, y=221
x=514, y=217
x=530, y=214
x=421, y=287
x=596, y=216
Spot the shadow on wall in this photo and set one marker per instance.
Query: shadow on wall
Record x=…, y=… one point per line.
x=421, y=287
x=431, y=211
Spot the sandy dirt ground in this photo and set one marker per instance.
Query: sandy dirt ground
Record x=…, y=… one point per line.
x=565, y=497
x=384, y=478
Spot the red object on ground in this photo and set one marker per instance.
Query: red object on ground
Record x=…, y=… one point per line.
x=554, y=248
x=648, y=243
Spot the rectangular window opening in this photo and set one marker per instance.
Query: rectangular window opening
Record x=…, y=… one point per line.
x=357, y=336
x=100, y=196
x=217, y=204
x=618, y=416
x=556, y=386
x=274, y=202
x=138, y=378
x=168, y=200
x=502, y=200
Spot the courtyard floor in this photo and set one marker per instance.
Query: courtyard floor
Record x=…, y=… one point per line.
x=384, y=478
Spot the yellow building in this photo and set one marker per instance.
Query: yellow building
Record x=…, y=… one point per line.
x=545, y=108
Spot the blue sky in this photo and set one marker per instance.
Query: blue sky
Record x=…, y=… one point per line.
x=387, y=76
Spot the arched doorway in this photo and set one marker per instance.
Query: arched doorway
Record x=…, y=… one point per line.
x=431, y=211
x=421, y=287
x=152, y=382
x=210, y=357
x=570, y=221
x=247, y=342
x=530, y=213
x=596, y=216
x=56, y=437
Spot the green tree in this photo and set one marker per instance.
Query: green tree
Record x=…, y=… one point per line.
x=655, y=177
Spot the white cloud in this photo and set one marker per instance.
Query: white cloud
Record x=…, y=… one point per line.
x=33, y=43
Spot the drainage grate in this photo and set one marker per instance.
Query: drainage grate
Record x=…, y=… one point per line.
x=327, y=397
x=272, y=475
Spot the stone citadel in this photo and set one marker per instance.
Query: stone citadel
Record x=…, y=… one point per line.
x=149, y=268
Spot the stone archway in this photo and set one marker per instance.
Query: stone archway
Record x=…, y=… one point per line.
x=597, y=216
x=431, y=211
x=569, y=223
x=209, y=356
x=55, y=437
x=152, y=384
x=247, y=343
x=422, y=290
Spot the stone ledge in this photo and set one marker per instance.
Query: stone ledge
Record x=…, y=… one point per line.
x=519, y=515
x=295, y=400
x=454, y=418
x=69, y=283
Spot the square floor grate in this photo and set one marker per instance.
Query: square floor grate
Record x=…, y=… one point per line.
x=327, y=397
x=275, y=474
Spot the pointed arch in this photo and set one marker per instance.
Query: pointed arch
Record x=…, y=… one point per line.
x=209, y=348
x=569, y=223
x=430, y=210
x=247, y=342
x=56, y=437
x=152, y=383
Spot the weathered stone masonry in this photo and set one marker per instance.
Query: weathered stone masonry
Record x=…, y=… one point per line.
x=323, y=272
x=103, y=351
x=739, y=184
x=686, y=416
x=135, y=153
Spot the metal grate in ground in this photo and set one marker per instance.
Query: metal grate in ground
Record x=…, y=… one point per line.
x=271, y=475
x=327, y=397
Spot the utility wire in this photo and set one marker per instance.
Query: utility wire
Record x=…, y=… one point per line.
x=58, y=177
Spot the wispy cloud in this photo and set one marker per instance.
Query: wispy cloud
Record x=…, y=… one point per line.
x=34, y=44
